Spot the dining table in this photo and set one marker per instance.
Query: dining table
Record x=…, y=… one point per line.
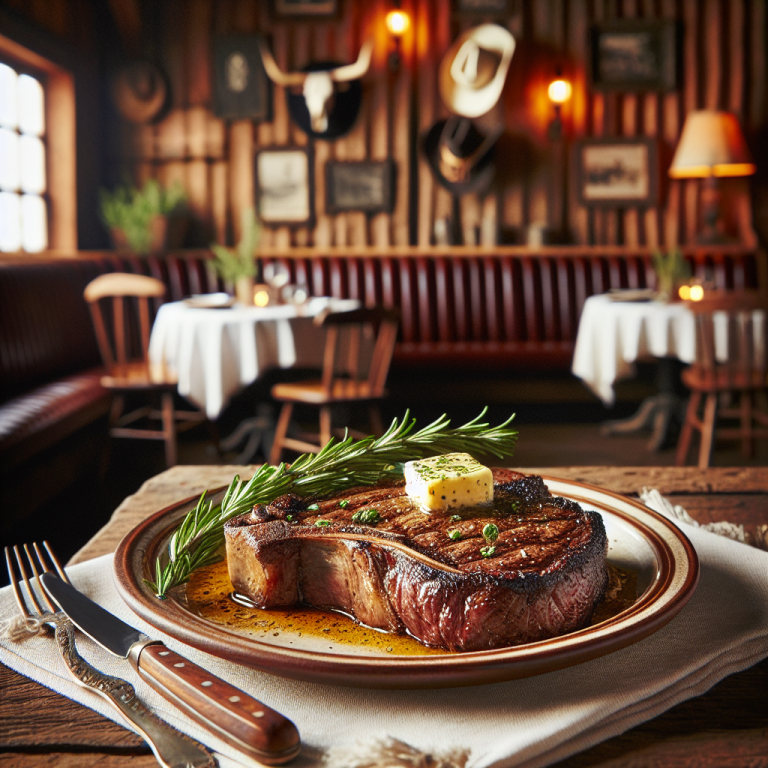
x=724, y=725
x=215, y=349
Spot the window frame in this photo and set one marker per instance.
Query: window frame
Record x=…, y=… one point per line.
x=59, y=138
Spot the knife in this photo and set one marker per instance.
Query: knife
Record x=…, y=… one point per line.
x=230, y=713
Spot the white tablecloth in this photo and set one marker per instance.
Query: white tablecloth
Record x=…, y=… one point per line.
x=613, y=335
x=216, y=352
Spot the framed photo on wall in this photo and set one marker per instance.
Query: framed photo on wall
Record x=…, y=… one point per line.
x=360, y=186
x=617, y=173
x=284, y=191
x=634, y=55
x=241, y=88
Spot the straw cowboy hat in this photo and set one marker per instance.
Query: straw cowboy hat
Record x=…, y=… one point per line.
x=460, y=156
x=472, y=72
x=139, y=91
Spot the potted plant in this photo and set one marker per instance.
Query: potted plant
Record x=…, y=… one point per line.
x=237, y=265
x=139, y=218
x=672, y=271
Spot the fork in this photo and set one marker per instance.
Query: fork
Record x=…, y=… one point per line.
x=172, y=748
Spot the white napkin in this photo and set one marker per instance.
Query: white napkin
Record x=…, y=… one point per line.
x=530, y=722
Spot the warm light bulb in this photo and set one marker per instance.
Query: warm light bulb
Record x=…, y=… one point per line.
x=261, y=298
x=559, y=91
x=697, y=293
x=398, y=23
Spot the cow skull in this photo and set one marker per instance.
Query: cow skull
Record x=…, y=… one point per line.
x=318, y=86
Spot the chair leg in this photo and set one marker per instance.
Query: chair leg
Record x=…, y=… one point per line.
x=708, y=431
x=686, y=433
x=374, y=416
x=280, y=432
x=169, y=429
x=116, y=409
x=747, y=438
x=325, y=425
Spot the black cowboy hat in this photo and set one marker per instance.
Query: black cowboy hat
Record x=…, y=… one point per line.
x=460, y=156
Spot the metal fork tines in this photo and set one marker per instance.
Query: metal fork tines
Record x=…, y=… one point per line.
x=172, y=748
x=38, y=564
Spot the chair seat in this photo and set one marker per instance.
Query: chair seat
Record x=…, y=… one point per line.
x=721, y=379
x=135, y=376
x=314, y=392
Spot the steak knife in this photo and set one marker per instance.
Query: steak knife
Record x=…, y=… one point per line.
x=230, y=713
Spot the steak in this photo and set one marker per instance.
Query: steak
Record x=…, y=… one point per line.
x=409, y=572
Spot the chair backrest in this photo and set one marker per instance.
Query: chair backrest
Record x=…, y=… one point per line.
x=349, y=336
x=731, y=336
x=117, y=350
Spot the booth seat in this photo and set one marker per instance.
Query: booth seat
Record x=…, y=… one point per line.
x=53, y=410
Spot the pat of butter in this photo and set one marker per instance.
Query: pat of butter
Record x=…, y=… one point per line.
x=448, y=481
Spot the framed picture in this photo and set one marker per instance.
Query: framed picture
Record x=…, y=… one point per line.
x=617, y=172
x=241, y=88
x=284, y=186
x=305, y=8
x=364, y=186
x=634, y=55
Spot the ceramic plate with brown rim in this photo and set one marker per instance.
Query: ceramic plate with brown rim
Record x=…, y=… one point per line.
x=654, y=568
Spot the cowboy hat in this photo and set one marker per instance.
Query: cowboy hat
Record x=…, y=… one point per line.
x=460, y=156
x=139, y=91
x=472, y=72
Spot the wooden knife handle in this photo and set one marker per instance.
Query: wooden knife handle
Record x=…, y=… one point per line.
x=230, y=713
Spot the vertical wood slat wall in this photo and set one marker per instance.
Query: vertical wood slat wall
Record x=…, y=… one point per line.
x=724, y=66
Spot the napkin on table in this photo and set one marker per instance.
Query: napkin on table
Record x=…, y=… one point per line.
x=530, y=722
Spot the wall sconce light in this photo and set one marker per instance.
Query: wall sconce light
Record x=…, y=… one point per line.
x=559, y=92
x=711, y=146
x=398, y=23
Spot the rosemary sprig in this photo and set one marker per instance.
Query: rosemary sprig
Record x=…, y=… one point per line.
x=340, y=465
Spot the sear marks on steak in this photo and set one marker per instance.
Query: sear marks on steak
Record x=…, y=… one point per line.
x=409, y=572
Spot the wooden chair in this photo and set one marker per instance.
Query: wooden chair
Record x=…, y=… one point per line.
x=345, y=378
x=728, y=388
x=124, y=350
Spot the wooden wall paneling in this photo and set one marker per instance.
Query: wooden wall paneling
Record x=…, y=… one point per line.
x=388, y=296
x=371, y=283
x=736, y=56
x=756, y=111
x=402, y=95
x=548, y=304
x=532, y=326
x=281, y=235
x=576, y=113
x=428, y=60
x=300, y=46
x=376, y=84
x=477, y=315
x=565, y=299
x=508, y=304
x=580, y=285
x=690, y=102
x=669, y=132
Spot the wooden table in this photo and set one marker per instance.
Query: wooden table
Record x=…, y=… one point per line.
x=727, y=726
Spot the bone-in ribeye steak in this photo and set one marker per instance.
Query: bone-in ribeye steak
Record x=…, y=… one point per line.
x=406, y=574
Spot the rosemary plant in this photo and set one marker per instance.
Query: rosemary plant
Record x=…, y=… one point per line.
x=340, y=465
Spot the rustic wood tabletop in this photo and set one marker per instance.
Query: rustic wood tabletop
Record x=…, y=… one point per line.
x=727, y=726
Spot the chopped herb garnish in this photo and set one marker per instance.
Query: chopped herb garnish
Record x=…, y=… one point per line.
x=289, y=518
x=366, y=516
x=344, y=503
x=322, y=523
x=487, y=551
x=454, y=535
x=490, y=533
x=455, y=518
x=313, y=507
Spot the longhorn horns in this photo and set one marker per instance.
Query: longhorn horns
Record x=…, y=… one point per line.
x=340, y=74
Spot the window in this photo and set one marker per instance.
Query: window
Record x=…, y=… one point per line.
x=38, y=189
x=23, y=203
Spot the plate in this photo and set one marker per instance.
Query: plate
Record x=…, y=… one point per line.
x=639, y=540
x=210, y=301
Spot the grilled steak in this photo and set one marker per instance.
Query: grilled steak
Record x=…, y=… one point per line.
x=410, y=572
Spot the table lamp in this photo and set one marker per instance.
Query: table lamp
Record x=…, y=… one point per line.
x=711, y=146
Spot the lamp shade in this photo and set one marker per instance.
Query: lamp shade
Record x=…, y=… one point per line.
x=711, y=144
